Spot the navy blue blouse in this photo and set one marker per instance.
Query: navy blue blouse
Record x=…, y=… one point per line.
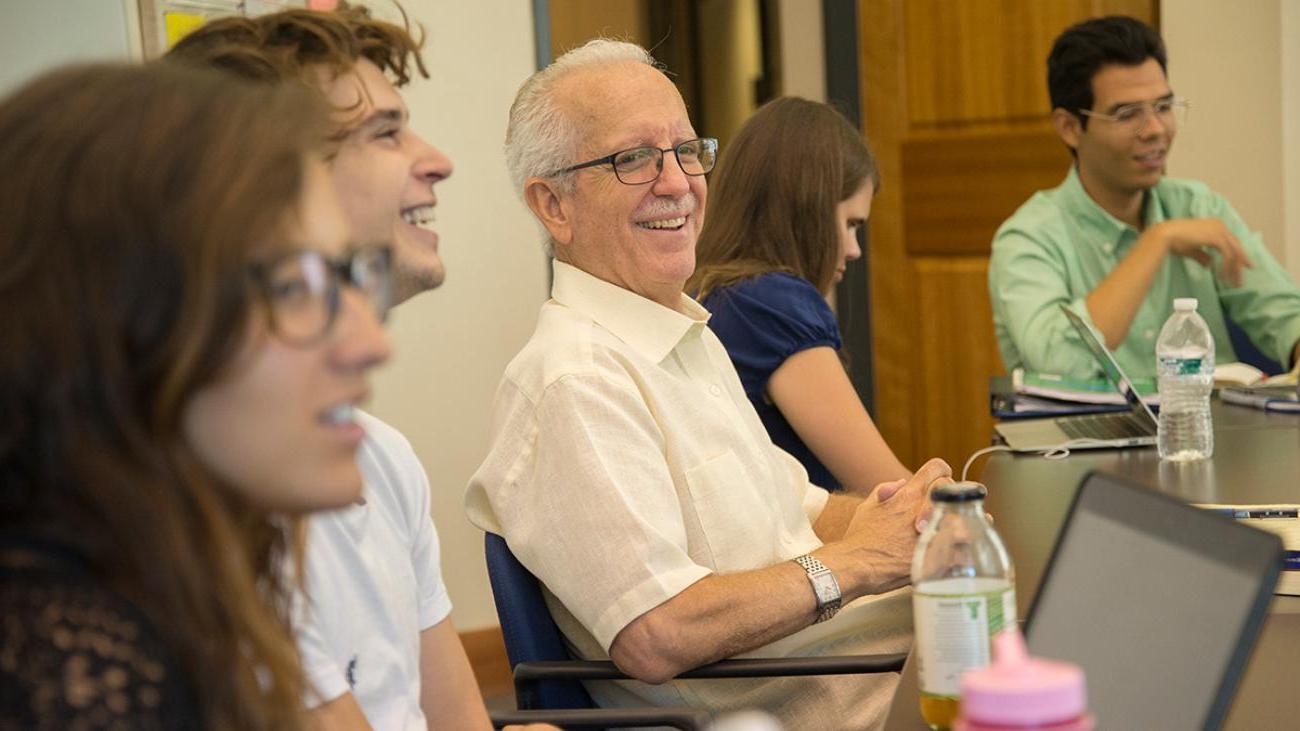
x=762, y=321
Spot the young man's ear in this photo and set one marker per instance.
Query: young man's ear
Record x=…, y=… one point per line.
x=1068, y=127
x=550, y=208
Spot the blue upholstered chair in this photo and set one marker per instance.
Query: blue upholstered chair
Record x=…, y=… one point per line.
x=1248, y=353
x=530, y=633
x=547, y=677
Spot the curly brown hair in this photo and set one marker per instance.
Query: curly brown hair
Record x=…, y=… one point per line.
x=293, y=44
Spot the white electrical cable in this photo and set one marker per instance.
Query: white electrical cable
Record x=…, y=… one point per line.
x=980, y=452
x=1060, y=451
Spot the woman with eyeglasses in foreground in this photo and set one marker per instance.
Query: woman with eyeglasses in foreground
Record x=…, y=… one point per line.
x=785, y=205
x=186, y=331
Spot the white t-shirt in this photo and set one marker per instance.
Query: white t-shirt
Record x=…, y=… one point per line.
x=374, y=584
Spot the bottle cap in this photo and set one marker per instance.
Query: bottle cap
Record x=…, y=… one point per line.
x=958, y=492
x=1185, y=304
x=1019, y=690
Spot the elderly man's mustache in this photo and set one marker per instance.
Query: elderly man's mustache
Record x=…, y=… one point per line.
x=668, y=207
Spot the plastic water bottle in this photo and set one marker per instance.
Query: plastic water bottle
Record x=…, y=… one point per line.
x=1022, y=693
x=963, y=592
x=1185, y=376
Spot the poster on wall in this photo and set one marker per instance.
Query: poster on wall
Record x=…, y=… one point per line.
x=164, y=22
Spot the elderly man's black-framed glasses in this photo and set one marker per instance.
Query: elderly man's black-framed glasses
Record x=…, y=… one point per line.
x=641, y=165
x=302, y=289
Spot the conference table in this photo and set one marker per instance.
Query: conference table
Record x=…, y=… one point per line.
x=1256, y=460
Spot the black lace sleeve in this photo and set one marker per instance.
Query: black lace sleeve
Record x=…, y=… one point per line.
x=75, y=656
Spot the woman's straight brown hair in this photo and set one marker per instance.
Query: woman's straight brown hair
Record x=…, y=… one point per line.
x=773, y=195
x=134, y=199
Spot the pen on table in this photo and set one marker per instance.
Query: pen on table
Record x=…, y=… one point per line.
x=1291, y=560
x=1259, y=513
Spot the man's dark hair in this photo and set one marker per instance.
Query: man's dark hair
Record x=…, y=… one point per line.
x=1084, y=48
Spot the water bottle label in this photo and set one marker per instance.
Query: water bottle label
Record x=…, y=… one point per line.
x=1171, y=366
x=954, y=619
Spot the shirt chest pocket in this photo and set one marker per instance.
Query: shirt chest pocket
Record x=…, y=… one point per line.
x=739, y=528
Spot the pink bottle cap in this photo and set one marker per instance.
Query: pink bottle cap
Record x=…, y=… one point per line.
x=1019, y=690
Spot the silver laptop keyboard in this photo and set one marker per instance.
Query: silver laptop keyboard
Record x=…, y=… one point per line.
x=1104, y=426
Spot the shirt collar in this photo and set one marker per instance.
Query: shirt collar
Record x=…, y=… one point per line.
x=1083, y=207
x=645, y=325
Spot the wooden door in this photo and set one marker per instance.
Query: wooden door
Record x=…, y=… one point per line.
x=955, y=104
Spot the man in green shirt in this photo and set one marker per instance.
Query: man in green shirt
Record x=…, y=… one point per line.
x=1117, y=241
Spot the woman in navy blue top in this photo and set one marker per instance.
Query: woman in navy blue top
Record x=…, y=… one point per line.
x=785, y=206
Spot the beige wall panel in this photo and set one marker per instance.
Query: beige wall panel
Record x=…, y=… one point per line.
x=803, y=52
x=1227, y=58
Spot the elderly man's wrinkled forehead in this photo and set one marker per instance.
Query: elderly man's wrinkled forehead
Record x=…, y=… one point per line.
x=625, y=98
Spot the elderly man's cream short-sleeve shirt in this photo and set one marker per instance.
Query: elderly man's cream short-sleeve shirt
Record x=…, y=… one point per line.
x=627, y=464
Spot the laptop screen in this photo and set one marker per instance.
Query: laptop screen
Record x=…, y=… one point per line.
x=1109, y=366
x=1158, y=601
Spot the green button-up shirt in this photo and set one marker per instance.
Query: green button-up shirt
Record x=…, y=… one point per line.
x=1060, y=245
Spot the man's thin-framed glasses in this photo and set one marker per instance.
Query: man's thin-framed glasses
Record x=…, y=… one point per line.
x=1171, y=111
x=641, y=165
x=301, y=289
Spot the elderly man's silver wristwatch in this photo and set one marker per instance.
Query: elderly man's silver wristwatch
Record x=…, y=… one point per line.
x=824, y=586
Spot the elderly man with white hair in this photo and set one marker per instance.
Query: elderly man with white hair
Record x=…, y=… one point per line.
x=629, y=472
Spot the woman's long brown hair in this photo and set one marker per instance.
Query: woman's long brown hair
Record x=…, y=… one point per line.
x=133, y=200
x=772, y=198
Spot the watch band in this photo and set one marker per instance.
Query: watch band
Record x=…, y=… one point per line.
x=824, y=585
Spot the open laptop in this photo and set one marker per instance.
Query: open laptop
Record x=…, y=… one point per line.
x=1159, y=602
x=1133, y=428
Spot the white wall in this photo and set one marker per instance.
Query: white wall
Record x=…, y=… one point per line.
x=803, y=54
x=452, y=344
x=40, y=34
x=1239, y=64
x=1290, y=30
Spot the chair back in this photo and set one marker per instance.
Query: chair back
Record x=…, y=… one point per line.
x=1247, y=352
x=530, y=633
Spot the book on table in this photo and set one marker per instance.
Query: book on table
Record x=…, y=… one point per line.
x=1244, y=374
x=1281, y=519
x=1079, y=390
x=1100, y=391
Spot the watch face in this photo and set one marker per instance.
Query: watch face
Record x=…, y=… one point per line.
x=827, y=589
